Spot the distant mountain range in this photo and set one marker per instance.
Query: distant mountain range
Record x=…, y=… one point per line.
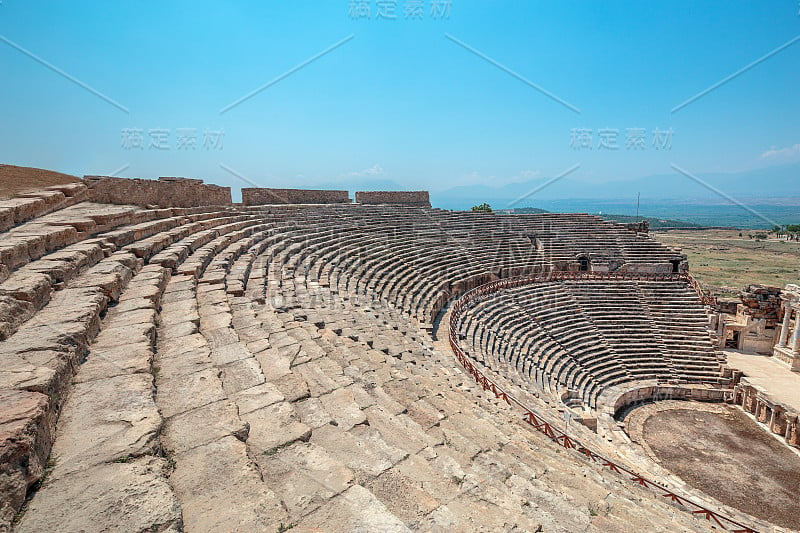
x=771, y=196
x=779, y=185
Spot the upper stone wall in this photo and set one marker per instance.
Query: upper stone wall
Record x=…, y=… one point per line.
x=264, y=196
x=164, y=192
x=639, y=227
x=418, y=198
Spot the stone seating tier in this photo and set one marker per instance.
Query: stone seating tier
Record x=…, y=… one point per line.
x=277, y=357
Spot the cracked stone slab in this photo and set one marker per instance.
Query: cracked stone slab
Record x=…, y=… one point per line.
x=312, y=413
x=361, y=449
x=424, y=414
x=180, y=329
x=305, y=476
x=46, y=371
x=356, y=509
x=215, y=321
x=202, y=425
x=403, y=496
x=180, y=311
x=241, y=375
x=140, y=316
x=399, y=430
x=173, y=347
x=184, y=393
x=105, y=420
x=274, y=364
x=133, y=304
x=257, y=397
x=465, y=513
x=220, y=490
x=116, y=361
x=274, y=426
x=322, y=376
x=220, y=337
x=187, y=363
x=343, y=408
x=131, y=496
x=119, y=336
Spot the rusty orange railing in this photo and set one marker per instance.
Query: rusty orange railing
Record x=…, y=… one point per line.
x=545, y=426
x=707, y=299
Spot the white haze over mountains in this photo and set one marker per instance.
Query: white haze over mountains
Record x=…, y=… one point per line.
x=778, y=185
x=770, y=195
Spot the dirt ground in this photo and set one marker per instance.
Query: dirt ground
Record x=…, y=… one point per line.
x=723, y=259
x=14, y=180
x=728, y=456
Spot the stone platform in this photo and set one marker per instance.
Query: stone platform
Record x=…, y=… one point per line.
x=767, y=373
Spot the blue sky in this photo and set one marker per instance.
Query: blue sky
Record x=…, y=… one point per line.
x=398, y=100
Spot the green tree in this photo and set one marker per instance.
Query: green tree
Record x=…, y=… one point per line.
x=484, y=208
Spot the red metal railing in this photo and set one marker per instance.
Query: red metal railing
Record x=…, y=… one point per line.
x=707, y=299
x=540, y=422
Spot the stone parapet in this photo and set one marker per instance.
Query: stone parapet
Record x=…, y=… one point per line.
x=164, y=192
x=416, y=198
x=264, y=196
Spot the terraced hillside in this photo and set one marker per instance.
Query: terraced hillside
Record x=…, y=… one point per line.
x=259, y=369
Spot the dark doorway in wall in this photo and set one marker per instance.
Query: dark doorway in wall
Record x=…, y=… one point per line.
x=583, y=263
x=676, y=265
x=733, y=341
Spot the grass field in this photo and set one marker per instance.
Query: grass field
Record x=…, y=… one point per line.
x=727, y=262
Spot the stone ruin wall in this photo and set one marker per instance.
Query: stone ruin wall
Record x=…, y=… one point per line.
x=163, y=192
x=778, y=418
x=755, y=316
x=638, y=227
x=415, y=198
x=621, y=398
x=762, y=302
x=264, y=196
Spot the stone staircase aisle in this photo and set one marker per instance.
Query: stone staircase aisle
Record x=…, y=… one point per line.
x=106, y=468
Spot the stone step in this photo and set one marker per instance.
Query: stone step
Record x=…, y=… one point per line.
x=92, y=498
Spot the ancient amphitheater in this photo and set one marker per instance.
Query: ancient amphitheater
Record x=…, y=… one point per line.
x=172, y=361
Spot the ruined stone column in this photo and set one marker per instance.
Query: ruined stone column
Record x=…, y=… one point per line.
x=787, y=313
x=796, y=334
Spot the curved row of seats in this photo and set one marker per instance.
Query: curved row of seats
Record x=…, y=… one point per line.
x=419, y=258
x=589, y=335
x=225, y=368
